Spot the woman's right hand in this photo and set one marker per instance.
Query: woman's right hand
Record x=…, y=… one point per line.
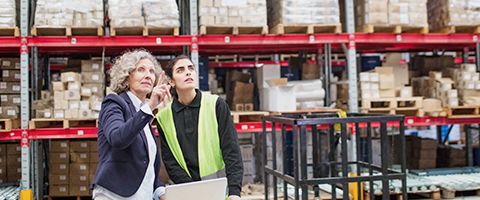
x=160, y=92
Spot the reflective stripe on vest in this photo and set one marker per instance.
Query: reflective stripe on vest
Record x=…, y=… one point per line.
x=210, y=159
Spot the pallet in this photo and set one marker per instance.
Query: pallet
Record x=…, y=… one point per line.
x=395, y=111
x=239, y=116
x=154, y=31
x=9, y=124
x=64, y=123
x=308, y=112
x=459, y=29
x=397, y=29
x=69, y=197
x=115, y=31
x=67, y=31
x=436, y=113
x=452, y=194
x=306, y=29
x=9, y=31
x=395, y=102
x=256, y=58
x=463, y=112
x=223, y=58
x=434, y=195
x=235, y=30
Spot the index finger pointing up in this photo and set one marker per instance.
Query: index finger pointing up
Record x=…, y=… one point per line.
x=162, y=79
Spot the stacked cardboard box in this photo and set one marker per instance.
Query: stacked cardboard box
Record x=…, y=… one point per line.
x=9, y=88
x=270, y=92
x=7, y=13
x=451, y=156
x=391, y=13
x=74, y=13
x=232, y=13
x=369, y=85
x=446, y=13
x=87, y=13
x=240, y=92
x=421, y=153
x=287, y=12
x=467, y=80
x=161, y=13
x=72, y=167
x=13, y=162
x=437, y=87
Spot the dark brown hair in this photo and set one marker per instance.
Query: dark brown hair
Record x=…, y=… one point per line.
x=169, y=67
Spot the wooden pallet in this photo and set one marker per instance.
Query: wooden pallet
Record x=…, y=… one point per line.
x=69, y=197
x=459, y=29
x=245, y=116
x=371, y=28
x=223, y=58
x=395, y=102
x=242, y=58
x=66, y=31
x=463, y=112
x=64, y=123
x=9, y=124
x=308, y=112
x=452, y=194
x=306, y=29
x=155, y=31
x=9, y=31
x=235, y=30
x=434, y=195
x=114, y=31
x=395, y=111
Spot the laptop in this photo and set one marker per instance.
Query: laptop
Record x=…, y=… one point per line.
x=214, y=189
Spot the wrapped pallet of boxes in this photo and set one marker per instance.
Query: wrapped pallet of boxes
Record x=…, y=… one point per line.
x=307, y=16
x=7, y=14
x=9, y=88
x=93, y=81
x=371, y=13
x=408, y=13
x=53, y=13
x=87, y=13
x=162, y=14
x=450, y=16
x=125, y=13
x=233, y=16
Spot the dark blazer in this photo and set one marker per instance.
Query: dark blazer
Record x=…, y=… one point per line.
x=122, y=146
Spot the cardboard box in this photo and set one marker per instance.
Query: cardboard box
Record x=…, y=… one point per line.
x=9, y=100
x=72, y=95
x=9, y=87
x=59, y=114
x=95, y=103
x=10, y=112
x=13, y=149
x=278, y=82
x=79, y=190
x=79, y=169
x=91, y=66
x=235, y=75
x=85, y=92
x=60, y=104
x=423, y=144
x=45, y=94
x=93, y=145
x=77, y=157
x=84, y=105
x=97, y=89
x=310, y=71
x=11, y=75
x=10, y=63
x=387, y=93
x=80, y=146
x=405, y=92
x=3, y=173
x=84, y=113
x=59, y=168
x=241, y=93
x=94, y=157
x=74, y=85
x=74, y=104
x=44, y=113
x=60, y=146
x=79, y=179
x=59, y=190
x=269, y=99
x=70, y=77
x=58, y=86
x=387, y=78
x=58, y=179
x=247, y=152
x=60, y=157
x=3, y=149
x=93, y=77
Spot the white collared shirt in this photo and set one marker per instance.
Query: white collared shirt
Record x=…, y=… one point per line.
x=145, y=191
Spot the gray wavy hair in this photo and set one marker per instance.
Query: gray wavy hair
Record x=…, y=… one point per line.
x=127, y=63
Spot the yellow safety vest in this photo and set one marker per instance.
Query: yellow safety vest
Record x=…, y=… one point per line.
x=210, y=159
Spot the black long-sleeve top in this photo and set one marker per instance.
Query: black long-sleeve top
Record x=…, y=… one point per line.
x=186, y=124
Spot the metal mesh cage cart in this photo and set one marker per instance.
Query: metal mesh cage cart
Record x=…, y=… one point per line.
x=339, y=167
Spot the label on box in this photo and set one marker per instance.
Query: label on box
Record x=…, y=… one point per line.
x=83, y=188
x=47, y=114
x=234, y=3
x=83, y=155
x=5, y=73
x=63, y=155
x=95, y=66
x=94, y=89
x=62, y=189
x=63, y=166
x=6, y=63
x=3, y=85
x=84, y=145
x=95, y=77
x=59, y=115
x=3, y=98
x=83, y=178
x=11, y=112
x=63, y=145
x=16, y=88
x=62, y=177
x=17, y=76
x=83, y=167
x=16, y=100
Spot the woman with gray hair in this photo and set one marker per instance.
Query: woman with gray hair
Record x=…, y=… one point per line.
x=129, y=163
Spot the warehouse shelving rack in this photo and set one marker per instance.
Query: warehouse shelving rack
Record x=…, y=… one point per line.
x=349, y=43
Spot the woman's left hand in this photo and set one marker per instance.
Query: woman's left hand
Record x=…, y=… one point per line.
x=234, y=197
